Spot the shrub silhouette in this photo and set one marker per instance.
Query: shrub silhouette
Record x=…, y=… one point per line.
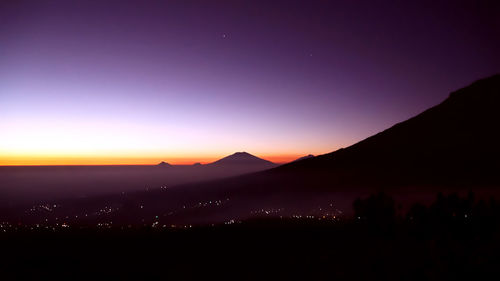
x=378, y=209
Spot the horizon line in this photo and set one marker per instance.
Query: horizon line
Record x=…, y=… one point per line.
x=127, y=161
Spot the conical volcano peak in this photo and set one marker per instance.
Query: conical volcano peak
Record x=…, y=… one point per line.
x=242, y=157
x=242, y=154
x=164, y=164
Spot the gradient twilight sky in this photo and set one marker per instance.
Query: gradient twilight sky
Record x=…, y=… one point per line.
x=137, y=82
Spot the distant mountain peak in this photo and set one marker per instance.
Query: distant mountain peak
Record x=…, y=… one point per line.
x=164, y=164
x=242, y=157
x=304, y=157
x=242, y=154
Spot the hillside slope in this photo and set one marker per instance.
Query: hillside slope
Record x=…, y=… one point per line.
x=453, y=143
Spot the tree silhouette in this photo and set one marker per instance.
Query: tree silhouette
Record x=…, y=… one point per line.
x=378, y=210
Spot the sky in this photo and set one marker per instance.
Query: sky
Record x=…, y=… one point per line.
x=138, y=82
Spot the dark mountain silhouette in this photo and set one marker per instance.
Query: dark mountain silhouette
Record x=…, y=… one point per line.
x=242, y=158
x=164, y=164
x=451, y=146
x=453, y=143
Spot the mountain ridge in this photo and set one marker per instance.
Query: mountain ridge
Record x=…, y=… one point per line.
x=442, y=134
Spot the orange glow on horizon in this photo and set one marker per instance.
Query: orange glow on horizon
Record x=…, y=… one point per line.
x=114, y=160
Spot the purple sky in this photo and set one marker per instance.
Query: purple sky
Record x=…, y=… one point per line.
x=142, y=81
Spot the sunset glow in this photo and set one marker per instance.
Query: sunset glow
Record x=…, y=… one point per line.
x=49, y=160
x=249, y=139
x=140, y=84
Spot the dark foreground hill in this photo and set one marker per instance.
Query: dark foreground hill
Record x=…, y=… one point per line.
x=452, y=146
x=455, y=238
x=456, y=143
